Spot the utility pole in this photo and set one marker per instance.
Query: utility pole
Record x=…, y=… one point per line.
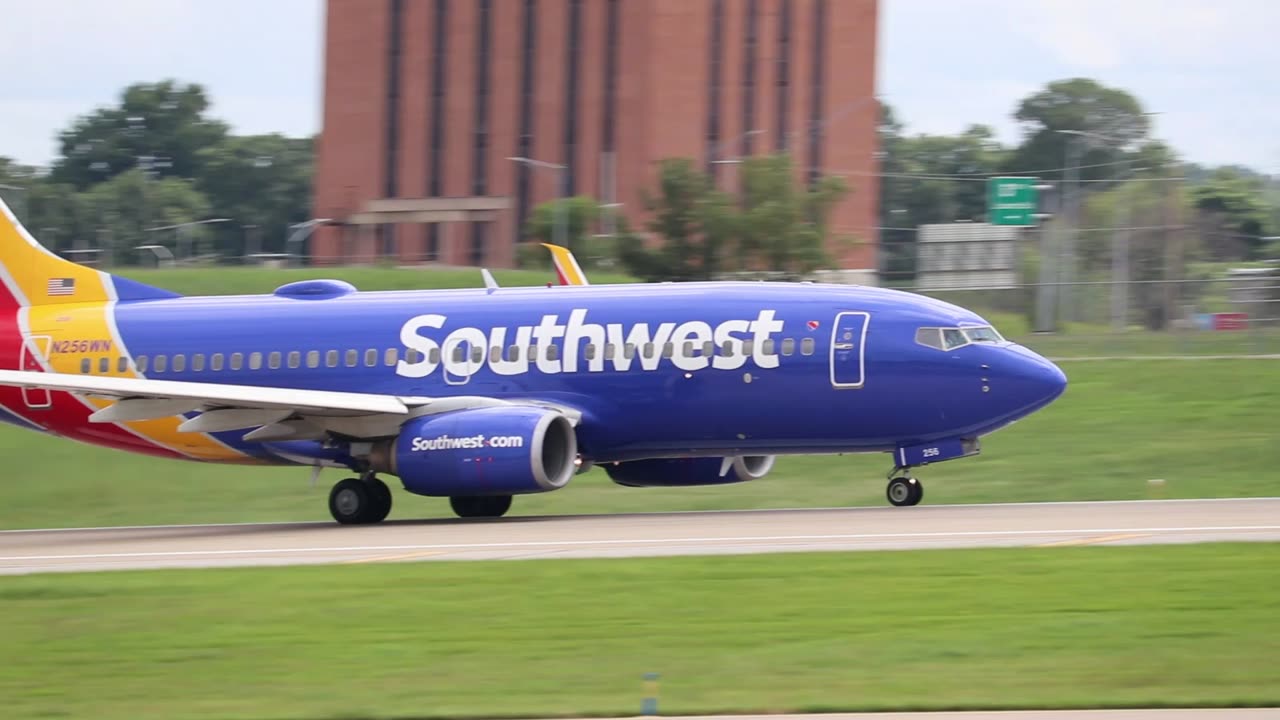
x=561, y=220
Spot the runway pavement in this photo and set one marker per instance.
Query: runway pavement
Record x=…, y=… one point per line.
x=656, y=534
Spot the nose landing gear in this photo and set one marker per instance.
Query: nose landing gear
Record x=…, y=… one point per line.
x=904, y=490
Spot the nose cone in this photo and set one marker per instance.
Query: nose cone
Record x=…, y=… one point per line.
x=1038, y=381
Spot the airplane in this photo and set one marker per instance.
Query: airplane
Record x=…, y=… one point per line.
x=479, y=395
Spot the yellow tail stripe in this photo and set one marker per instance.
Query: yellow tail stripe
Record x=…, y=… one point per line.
x=90, y=335
x=566, y=265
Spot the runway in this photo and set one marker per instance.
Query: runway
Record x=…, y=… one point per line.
x=656, y=534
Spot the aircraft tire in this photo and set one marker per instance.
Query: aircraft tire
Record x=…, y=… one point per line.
x=353, y=502
x=381, y=507
x=491, y=506
x=904, y=492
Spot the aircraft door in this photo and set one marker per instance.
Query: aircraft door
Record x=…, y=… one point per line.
x=35, y=348
x=848, y=350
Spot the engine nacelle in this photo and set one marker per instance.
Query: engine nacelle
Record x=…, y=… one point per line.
x=486, y=451
x=682, y=472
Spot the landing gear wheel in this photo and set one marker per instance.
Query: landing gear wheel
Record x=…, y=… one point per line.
x=905, y=492
x=382, y=500
x=359, y=502
x=491, y=506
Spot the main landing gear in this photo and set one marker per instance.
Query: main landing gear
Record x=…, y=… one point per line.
x=360, y=501
x=904, y=490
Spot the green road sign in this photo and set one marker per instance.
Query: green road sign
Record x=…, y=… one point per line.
x=1012, y=200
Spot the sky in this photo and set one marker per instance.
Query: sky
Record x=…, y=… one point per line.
x=1207, y=66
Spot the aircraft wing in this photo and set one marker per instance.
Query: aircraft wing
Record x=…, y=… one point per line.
x=277, y=413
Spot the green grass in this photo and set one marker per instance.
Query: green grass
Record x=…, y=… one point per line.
x=252, y=281
x=1207, y=428
x=979, y=629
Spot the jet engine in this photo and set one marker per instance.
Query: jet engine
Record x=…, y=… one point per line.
x=485, y=451
x=680, y=472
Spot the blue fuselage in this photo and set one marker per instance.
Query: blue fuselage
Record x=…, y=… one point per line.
x=655, y=370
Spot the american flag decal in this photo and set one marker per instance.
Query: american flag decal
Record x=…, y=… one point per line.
x=61, y=286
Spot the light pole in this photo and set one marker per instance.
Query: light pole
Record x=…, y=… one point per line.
x=182, y=226
x=1119, y=239
x=560, y=221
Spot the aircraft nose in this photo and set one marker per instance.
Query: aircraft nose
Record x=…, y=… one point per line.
x=1041, y=381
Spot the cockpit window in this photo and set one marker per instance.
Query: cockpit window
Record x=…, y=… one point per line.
x=930, y=337
x=953, y=338
x=956, y=337
x=983, y=334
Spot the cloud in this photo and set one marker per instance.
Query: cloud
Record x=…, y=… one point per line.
x=1101, y=35
x=259, y=61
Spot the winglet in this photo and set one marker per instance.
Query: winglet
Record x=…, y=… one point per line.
x=567, y=268
x=490, y=284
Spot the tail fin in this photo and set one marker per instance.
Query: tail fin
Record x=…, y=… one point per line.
x=34, y=276
x=567, y=268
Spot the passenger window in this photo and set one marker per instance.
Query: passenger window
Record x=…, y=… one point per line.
x=708, y=349
x=104, y=366
x=237, y=361
x=122, y=365
x=647, y=350
x=273, y=361
x=413, y=357
x=179, y=363
x=769, y=347
x=255, y=361
x=86, y=365
x=668, y=349
x=162, y=362
x=434, y=355
x=353, y=358
x=789, y=347
x=197, y=363
x=331, y=359
x=589, y=352
x=629, y=351
x=726, y=348
x=459, y=353
x=513, y=353
x=748, y=347
x=477, y=354
x=295, y=359
x=553, y=352
x=313, y=359
x=141, y=360
x=610, y=351
x=215, y=363
x=806, y=346
x=391, y=357
x=370, y=358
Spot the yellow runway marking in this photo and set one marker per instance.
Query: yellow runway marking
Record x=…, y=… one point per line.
x=390, y=558
x=1094, y=540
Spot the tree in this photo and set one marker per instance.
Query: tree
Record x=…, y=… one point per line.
x=1079, y=104
x=1233, y=214
x=156, y=126
x=130, y=204
x=579, y=215
x=693, y=220
x=782, y=227
x=262, y=183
